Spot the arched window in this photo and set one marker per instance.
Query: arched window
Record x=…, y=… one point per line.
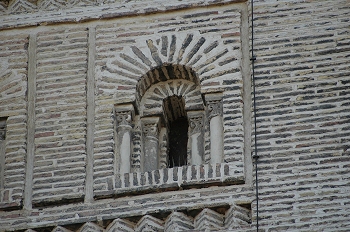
x=165, y=96
x=165, y=126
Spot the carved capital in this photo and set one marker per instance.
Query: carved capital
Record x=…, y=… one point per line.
x=124, y=118
x=150, y=129
x=124, y=114
x=196, y=121
x=214, y=108
x=150, y=126
x=214, y=104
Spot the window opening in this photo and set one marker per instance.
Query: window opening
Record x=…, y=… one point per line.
x=178, y=142
x=177, y=124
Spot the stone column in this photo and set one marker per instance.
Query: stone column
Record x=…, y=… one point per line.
x=214, y=105
x=195, y=136
x=150, y=130
x=124, y=115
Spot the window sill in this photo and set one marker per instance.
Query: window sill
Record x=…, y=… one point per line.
x=171, y=179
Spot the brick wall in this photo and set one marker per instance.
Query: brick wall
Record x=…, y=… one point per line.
x=302, y=88
x=60, y=125
x=302, y=82
x=216, y=60
x=13, y=87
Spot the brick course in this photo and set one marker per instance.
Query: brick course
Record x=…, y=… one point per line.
x=60, y=115
x=13, y=72
x=301, y=74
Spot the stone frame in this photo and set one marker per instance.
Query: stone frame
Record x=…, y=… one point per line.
x=198, y=171
x=215, y=63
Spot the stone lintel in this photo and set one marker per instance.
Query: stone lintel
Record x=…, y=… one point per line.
x=194, y=113
x=125, y=103
x=213, y=90
x=124, y=107
x=213, y=96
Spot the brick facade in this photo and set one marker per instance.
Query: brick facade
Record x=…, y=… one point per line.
x=79, y=78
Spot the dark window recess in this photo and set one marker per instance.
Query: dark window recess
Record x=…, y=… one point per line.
x=178, y=142
x=2, y=150
x=2, y=128
x=177, y=124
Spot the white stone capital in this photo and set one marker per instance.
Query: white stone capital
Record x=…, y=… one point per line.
x=150, y=126
x=214, y=104
x=195, y=121
x=124, y=114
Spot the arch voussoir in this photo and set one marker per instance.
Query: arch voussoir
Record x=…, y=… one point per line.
x=152, y=99
x=186, y=56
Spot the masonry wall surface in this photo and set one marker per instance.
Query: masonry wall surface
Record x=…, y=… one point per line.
x=60, y=125
x=13, y=89
x=302, y=82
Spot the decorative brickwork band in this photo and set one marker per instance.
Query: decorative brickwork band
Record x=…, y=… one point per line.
x=168, y=178
x=124, y=115
x=207, y=219
x=196, y=137
x=150, y=129
x=136, y=145
x=214, y=103
x=163, y=148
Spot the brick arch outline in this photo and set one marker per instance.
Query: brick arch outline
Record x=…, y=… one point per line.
x=151, y=103
x=164, y=73
x=203, y=60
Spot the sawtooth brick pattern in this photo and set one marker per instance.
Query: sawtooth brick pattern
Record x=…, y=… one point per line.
x=21, y=13
x=13, y=87
x=60, y=130
x=72, y=216
x=303, y=99
x=206, y=219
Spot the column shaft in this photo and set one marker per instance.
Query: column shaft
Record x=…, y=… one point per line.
x=124, y=139
x=216, y=140
x=150, y=128
x=124, y=115
x=196, y=138
x=215, y=112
